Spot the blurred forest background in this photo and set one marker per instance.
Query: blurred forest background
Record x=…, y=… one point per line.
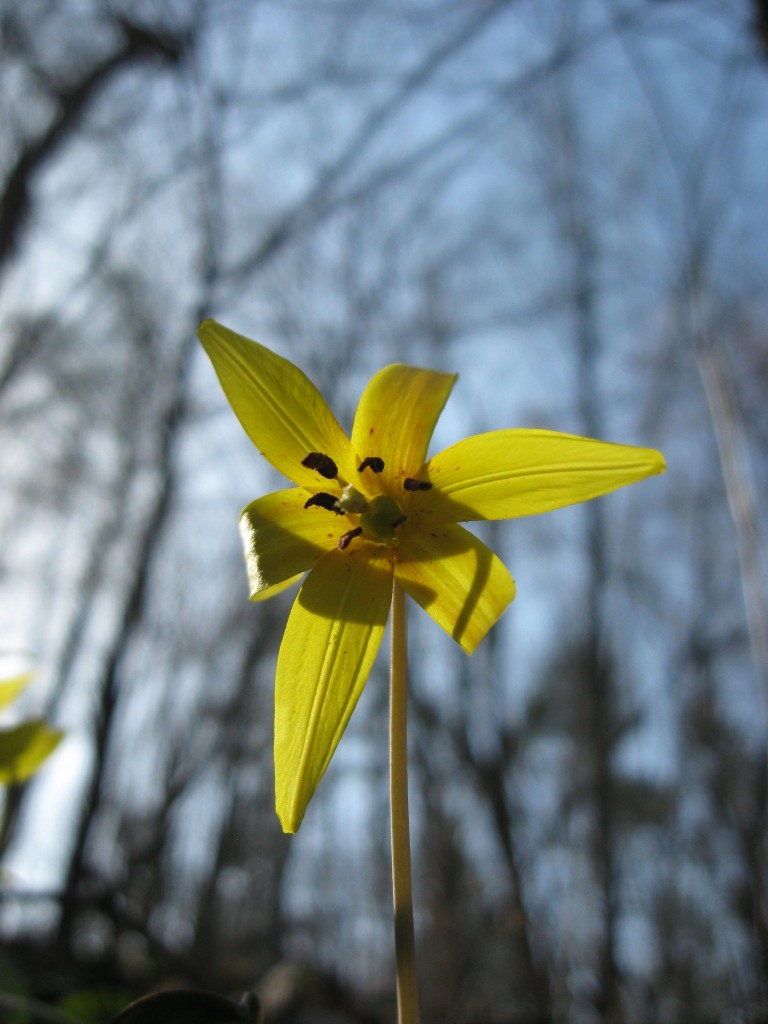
x=565, y=201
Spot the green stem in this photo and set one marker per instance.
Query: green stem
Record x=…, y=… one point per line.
x=402, y=890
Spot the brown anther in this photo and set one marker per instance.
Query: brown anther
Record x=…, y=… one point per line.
x=416, y=485
x=324, y=465
x=373, y=462
x=326, y=501
x=346, y=538
x=398, y=522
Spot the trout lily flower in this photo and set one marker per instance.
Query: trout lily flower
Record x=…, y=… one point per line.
x=370, y=508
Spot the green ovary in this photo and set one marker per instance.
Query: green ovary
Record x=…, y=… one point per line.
x=381, y=520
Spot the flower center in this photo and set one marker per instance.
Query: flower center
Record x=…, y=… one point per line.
x=383, y=517
x=379, y=517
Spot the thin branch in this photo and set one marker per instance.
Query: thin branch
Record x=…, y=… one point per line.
x=320, y=202
x=72, y=102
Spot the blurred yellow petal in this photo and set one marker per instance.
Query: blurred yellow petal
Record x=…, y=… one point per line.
x=24, y=748
x=279, y=408
x=11, y=688
x=395, y=419
x=282, y=539
x=457, y=579
x=510, y=473
x=333, y=633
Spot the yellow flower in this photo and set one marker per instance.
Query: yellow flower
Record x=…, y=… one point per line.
x=369, y=508
x=25, y=746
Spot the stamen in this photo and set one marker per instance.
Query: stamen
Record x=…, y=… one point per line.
x=373, y=462
x=416, y=485
x=398, y=522
x=346, y=538
x=324, y=465
x=326, y=501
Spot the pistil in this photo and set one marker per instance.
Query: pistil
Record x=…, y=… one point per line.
x=382, y=519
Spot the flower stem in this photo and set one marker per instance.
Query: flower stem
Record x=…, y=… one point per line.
x=402, y=891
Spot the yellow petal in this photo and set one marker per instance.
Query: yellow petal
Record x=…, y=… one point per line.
x=509, y=473
x=395, y=419
x=282, y=539
x=11, y=688
x=333, y=633
x=457, y=579
x=24, y=748
x=279, y=408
